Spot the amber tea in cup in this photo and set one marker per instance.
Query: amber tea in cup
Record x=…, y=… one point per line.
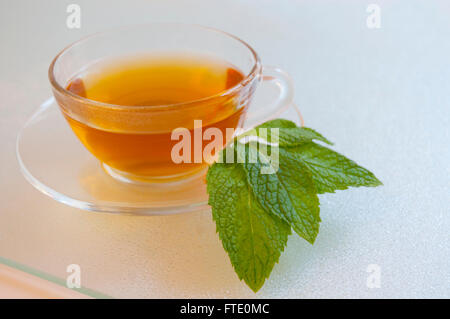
x=152, y=81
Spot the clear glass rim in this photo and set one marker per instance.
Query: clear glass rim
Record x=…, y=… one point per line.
x=254, y=72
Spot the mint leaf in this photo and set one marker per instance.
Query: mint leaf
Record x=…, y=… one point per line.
x=252, y=238
x=287, y=191
x=299, y=135
x=330, y=170
x=272, y=188
x=296, y=136
x=286, y=135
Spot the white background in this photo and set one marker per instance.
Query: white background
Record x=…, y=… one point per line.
x=382, y=95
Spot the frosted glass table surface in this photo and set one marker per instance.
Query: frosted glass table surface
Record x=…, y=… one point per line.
x=382, y=95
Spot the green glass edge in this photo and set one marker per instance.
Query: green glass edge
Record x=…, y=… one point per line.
x=51, y=278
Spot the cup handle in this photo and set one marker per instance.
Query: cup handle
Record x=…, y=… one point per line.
x=284, y=82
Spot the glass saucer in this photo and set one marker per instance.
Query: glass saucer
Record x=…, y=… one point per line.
x=55, y=162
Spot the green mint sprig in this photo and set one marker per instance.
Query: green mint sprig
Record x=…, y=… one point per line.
x=255, y=212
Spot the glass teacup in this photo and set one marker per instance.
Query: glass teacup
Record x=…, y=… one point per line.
x=134, y=142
